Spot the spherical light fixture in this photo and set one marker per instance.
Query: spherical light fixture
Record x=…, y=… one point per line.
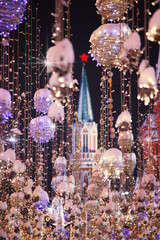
x=106, y=42
x=11, y=14
x=42, y=129
x=112, y=9
x=111, y=163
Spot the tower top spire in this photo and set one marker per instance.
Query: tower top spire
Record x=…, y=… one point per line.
x=85, y=112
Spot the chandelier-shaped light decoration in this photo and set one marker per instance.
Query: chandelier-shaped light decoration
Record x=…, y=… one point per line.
x=111, y=163
x=5, y=105
x=60, y=164
x=42, y=100
x=130, y=53
x=106, y=42
x=147, y=85
x=112, y=9
x=42, y=129
x=153, y=33
x=57, y=180
x=11, y=14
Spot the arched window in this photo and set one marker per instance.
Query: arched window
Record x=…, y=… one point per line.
x=85, y=140
x=93, y=141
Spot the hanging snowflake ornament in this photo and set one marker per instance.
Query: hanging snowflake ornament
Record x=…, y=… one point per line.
x=42, y=129
x=130, y=53
x=11, y=14
x=106, y=42
x=153, y=33
x=147, y=84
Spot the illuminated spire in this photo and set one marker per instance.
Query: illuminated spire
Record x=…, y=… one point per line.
x=85, y=112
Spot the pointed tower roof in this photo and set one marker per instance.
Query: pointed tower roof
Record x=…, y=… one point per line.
x=85, y=112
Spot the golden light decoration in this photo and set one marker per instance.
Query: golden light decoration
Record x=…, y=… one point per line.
x=112, y=9
x=129, y=162
x=106, y=42
x=153, y=33
x=111, y=163
x=147, y=84
x=130, y=53
x=125, y=140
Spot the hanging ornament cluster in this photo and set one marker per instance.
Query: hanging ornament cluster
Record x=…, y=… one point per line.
x=106, y=42
x=112, y=10
x=130, y=53
x=147, y=84
x=11, y=14
x=5, y=105
x=59, y=61
x=153, y=33
x=117, y=218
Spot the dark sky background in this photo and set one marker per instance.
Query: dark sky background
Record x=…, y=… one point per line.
x=84, y=20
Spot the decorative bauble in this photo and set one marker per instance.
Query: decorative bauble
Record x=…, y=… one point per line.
x=111, y=163
x=129, y=162
x=106, y=42
x=57, y=180
x=62, y=189
x=40, y=197
x=60, y=164
x=125, y=140
x=91, y=207
x=105, y=195
x=97, y=178
x=130, y=53
x=153, y=33
x=5, y=105
x=42, y=129
x=11, y=14
x=92, y=191
x=60, y=85
x=147, y=84
x=98, y=154
x=56, y=111
x=60, y=57
x=112, y=10
x=42, y=100
x=124, y=120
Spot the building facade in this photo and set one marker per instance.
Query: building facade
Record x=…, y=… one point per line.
x=85, y=133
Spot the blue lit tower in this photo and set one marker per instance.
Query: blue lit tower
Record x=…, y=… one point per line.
x=87, y=130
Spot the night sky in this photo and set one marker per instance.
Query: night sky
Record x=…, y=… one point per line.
x=84, y=20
